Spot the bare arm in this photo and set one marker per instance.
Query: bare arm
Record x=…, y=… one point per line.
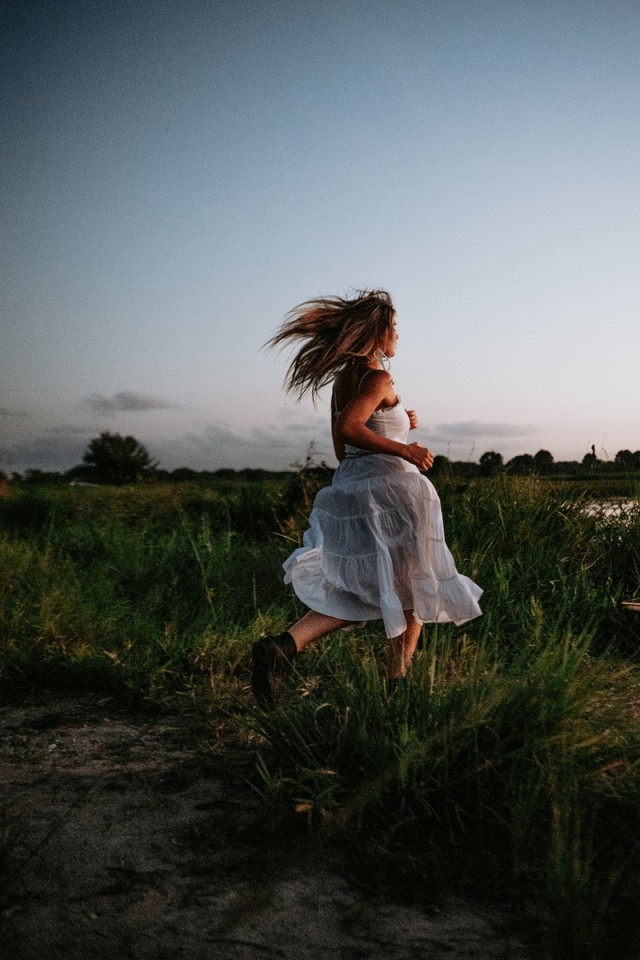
x=350, y=425
x=338, y=445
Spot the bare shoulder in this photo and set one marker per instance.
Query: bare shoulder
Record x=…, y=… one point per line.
x=378, y=384
x=376, y=379
x=357, y=385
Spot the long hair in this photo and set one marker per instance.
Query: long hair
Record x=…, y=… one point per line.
x=334, y=331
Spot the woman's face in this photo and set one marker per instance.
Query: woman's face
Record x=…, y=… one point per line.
x=388, y=345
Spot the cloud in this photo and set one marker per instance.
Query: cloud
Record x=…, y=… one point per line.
x=60, y=450
x=475, y=429
x=280, y=447
x=466, y=439
x=67, y=430
x=6, y=412
x=125, y=400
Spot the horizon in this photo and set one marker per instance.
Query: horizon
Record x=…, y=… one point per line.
x=312, y=461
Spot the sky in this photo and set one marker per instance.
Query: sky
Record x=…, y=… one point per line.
x=178, y=174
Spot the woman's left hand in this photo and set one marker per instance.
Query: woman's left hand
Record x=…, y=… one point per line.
x=413, y=419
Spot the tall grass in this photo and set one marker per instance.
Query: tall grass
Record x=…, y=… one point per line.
x=511, y=757
x=483, y=772
x=508, y=761
x=134, y=588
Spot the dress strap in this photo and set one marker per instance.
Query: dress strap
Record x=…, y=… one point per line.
x=362, y=378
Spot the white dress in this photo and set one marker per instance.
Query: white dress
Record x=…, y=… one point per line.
x=375, y=544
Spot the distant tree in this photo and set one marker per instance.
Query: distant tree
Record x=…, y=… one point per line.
x=624, y=460
x=442, y=466
x=590, y=460
x=43, y=476
x=570, y=468
x=543, y=462
x=491, y=463
x=184, y=475
x=115, y=459
x=522, y=465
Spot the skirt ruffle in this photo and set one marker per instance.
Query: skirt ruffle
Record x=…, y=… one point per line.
x=375, y=547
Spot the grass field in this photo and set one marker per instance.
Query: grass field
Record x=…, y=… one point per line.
x=508, y=762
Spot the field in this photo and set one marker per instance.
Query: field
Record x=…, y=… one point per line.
x=508, y=762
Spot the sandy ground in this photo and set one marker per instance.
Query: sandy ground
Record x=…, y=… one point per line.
x=121, y=840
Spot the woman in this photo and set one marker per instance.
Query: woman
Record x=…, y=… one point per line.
x=375, y=545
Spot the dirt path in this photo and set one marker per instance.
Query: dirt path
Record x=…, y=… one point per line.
x=119, y=840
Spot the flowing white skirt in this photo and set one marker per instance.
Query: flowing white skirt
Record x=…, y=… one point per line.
x=375, y=547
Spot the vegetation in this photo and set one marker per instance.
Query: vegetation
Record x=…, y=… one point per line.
x=111, y=458
x=509, y=762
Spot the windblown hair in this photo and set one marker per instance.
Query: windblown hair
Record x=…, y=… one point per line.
x=335, y=331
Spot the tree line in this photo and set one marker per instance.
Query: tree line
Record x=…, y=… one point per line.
x=113, y=459
x=541, y=464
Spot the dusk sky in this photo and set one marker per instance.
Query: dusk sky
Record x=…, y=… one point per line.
x=177, y=174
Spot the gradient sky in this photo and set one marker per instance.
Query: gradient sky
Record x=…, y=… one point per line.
x=177, y=174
